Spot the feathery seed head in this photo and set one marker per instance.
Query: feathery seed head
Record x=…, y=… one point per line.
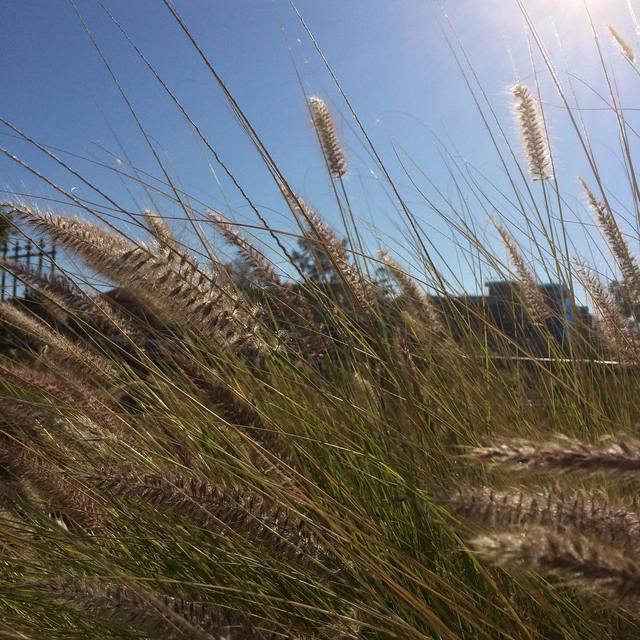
x=586, y=512
x=61, y=349
x=537, y=305
x=625, y=48
x=157, y=614
x=421, y=303
x=182, y=292
x=571, y=558
x=563, y=454
x=51, y=482
x=616, y=241
x=613, y=326
x=159, y=229
x=325, y=127
x=212, y=506
x=532, y=131
x=325, y=239
x=261, y=265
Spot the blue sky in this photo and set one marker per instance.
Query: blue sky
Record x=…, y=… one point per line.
x=390, y=56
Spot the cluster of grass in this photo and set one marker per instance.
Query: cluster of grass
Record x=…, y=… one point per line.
x=203, y=456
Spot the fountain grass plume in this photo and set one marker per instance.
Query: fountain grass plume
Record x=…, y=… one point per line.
x=569, y=557
x=532, y=132
x=621, y=455
x=327, y=132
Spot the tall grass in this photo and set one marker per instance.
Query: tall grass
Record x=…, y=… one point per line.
x=196, y=455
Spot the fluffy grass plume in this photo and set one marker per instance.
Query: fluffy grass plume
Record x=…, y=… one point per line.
x=325, y=127
x=563, y=454
x=569, y=557
x=625, y=48
x=532, y=132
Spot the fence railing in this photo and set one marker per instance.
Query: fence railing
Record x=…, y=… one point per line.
x=37, y=256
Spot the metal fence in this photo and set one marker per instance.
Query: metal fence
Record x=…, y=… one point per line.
x=37, y=256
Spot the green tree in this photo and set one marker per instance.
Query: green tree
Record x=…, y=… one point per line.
x=314, y=263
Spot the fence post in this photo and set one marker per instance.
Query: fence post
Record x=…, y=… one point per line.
x=27, y=257
x=32, y=255
x=52, y=255
x=16, y=255
x=41, y=250
x=4, y=248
